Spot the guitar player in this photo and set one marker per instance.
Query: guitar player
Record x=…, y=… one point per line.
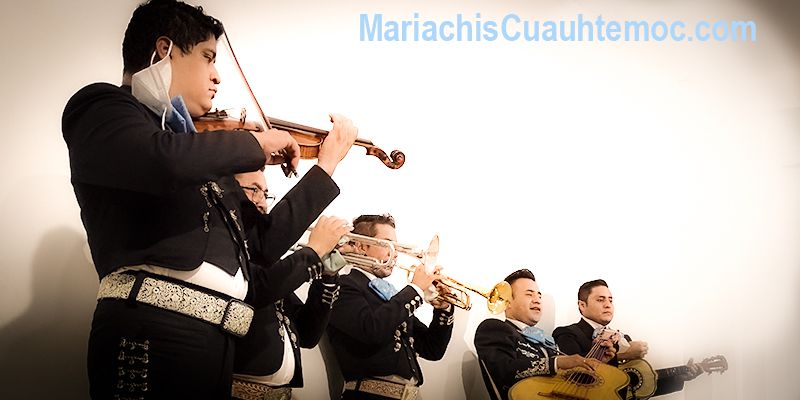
x=596, y=306
x=514, y=349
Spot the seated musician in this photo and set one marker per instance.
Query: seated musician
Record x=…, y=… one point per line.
x=375, y=336
x=514, y=349
x=267, y=360
x=596, y=306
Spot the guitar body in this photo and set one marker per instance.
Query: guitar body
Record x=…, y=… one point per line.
x=604, y=383
x=642, y=378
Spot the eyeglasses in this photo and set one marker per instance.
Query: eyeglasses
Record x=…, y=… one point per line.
x=257, y=195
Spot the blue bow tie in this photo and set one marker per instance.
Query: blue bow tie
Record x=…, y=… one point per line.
x=536, y=335
x=383, y=288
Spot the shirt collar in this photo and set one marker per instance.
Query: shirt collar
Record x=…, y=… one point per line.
x=519, y=324
x=593, y=324
x=369, y=275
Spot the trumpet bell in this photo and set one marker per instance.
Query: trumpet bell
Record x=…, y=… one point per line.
x=499, y=297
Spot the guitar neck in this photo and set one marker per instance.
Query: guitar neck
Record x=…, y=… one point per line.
x=669, y=372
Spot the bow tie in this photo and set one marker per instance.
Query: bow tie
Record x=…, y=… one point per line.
x=383, y=288
x=536, y=335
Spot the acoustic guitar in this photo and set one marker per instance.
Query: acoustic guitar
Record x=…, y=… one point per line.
x=643, y=378
x=604, y=383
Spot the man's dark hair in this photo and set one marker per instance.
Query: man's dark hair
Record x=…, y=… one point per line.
x=365, y=224
x=185, y=25
x=520, y=274
x=586, y=288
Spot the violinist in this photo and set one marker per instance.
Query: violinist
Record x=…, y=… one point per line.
x=162, y=211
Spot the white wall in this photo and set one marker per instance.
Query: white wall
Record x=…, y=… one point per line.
x=671, y=170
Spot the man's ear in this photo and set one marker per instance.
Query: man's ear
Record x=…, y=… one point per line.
x=162, y=47
x=360, y=248
x=581, y=306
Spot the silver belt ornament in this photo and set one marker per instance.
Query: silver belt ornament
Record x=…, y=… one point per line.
x=232, y=315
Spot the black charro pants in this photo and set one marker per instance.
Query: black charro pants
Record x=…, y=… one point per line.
x=137, y=351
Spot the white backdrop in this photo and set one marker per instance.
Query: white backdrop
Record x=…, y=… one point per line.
x=672, y=170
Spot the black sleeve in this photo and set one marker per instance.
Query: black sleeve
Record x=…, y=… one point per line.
x=668, y=384
x=312, y=317
x=567, y=341
x=283, y=278
x=354, y=316
x=496, y=344
x=431, y=341
x=113, y=142
x=271, y=235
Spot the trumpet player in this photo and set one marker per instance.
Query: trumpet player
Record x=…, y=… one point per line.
x=267, y=362
x=373, y=330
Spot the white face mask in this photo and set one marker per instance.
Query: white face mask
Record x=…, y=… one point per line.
x=151, y=85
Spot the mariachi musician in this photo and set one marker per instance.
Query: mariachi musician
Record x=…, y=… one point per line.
x=267, y=361
x=596, y=306
x=515, y=349
x=375, y=336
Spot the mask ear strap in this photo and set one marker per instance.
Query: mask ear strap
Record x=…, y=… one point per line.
x=164, y=119
x=169, y=51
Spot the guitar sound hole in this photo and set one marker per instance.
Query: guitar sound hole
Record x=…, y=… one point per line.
x=636, y=378
x=582, y=378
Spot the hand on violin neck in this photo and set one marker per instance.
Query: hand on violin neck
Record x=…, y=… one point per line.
x=279, y=147
x=337, y=143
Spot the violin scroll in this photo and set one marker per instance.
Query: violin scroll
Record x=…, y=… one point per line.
x=394, y=160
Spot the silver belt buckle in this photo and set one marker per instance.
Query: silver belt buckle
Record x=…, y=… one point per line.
x=237, y=317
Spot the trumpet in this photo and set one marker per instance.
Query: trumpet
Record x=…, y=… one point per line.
x=497, y=298
x=360, y=260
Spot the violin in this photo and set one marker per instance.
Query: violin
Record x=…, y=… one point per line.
x=308, y=138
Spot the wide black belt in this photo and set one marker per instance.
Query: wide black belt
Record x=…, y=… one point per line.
x=384, y=388
x=231, y=315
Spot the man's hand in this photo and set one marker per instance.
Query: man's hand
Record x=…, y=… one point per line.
x=326, y=234
x=638, y=349
x=422, y=278
x=693, y=372
x=443, y=291
x=608, y=345
x=337, y=143
x=279, y=147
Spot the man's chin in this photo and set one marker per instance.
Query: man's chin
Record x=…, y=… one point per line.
x=382, y=272
x=197, y=111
